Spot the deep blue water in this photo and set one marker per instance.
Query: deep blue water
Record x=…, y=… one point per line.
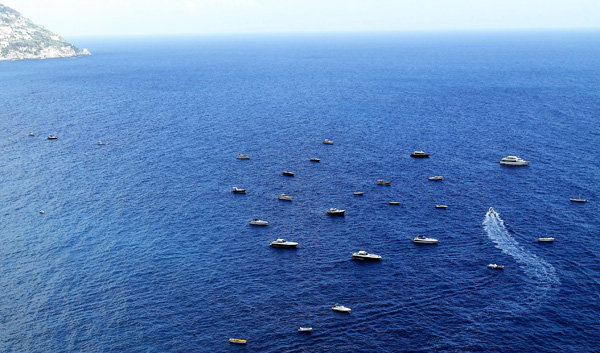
x=143, y=248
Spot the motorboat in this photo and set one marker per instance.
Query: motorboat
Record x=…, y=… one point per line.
x=243, y=156
x=394, y=203
x=237, y=190
x=495, y=267
x=285, y=197
x=305, y=329
x=437, y=177
x=31, y=134
x=358, y=193
x=546, y=240
x=335, y=212
x=258, y=222
x=52, y=137
x=237, y=341
x=285, y=172
x=282, y=243
x=577, y=200
x=100, y=143
x=419, y=239
x=441, y=206
x=513, y=160
x=491, y=212
x=42, y=211
x=328, y=142
x=363, y=255
x=341, y=308
x=315, y=159
x=419, y=154
x=383, y=182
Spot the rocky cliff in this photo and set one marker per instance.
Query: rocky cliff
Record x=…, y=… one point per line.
x=22, y=39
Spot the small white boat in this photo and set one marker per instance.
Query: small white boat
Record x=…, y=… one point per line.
x=42, y=211
x=100, y=143
x=437, y=177
x=237, y=341
x=335, y=212
x=577, y=199
x=52, y=137
x=285, y=197
x=282, y=243
x=31, y=134
x=315, y=159
x=546, y=240
x=419, y=239
x=305, y=329
x=328, y=142
x=363, y=255
x=358, y=193
x=419, y=154
x=495, y=267
x=441, y=206
x=513, y=160
x=395, y=203
x=285, y=172
x=237, y=190
x=258, y=222
x=491, y=212
x=383, y=182
x=341, y=308
x=243, y=156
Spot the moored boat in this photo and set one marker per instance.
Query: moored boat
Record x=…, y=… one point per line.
x=363, y=255
x=419, y=154
x=237, y=341
x=305, y=329
x=243, y=156
x=495, y=267
x=328, y=142
x=336, y=212
x=383, y=182
x=441, y=206
x=315, y=159
x=577, y=199
x=358, y=193
x=285, y=197
x=237, y=190
x=395, y=203
x=258, y=222
x=419, y=239
x=546, y=240
x=513, y=160
x=31, y=134
x=52, y=137
x=437, y=177
x=341, y=308
x=100, y=143
x=287, y=173
x=282, y=243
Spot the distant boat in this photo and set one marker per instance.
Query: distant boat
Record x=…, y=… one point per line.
x=546, y=240
x=358, y=193
x=237, y=341
x=491, y=212
x=577, y=200
x=363, y=255
x=305, y=329
x=315, y=159
x=419, y=239
x=52, y=137
x=285, y=197
x=285, y=172
x=237, y=190
x=31, y=134
x=258, y=222
x=282, y=243
x=383, y=182
x=328, y=142
x=335, y=212
x=341, y=308
x=100, y=143
x=495, y=267
x=513, y=160
x=42, y=211
x=394, y=203
x=437, y=177
x=441, y=206
x=419, y=154
x=243, y=156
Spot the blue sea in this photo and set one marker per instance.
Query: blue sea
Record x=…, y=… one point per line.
x=142, y=247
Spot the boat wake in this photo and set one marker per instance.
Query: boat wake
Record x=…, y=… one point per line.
x=541, y=274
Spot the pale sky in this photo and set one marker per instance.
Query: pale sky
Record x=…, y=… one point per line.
x=169, y=17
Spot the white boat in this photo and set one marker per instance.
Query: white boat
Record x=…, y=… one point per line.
x=31, y=134
x=52, y=137
x=328, y=142
x=495, y=267
x=577, y=199
x=358, y=193
x=282, y=243
x=305, y=329
x=258, y=222
x=419, y=154
x=363, y=255
x=237, y=190
x=513, y=160
x=285, y=172
x=335, y=212
x=243, y=156
x=100, y=143
x=341, y=308
x=315, y=159
x=285, y=197
x=441, y=206
x=491, y=212
x=423, y=240
x=394, y=203
x=383, y=182
x=42, y=211
x=546, y=240
x=437, y=177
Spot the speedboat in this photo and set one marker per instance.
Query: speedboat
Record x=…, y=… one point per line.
x=577, y=200
x=513, y=160
x=100, y=143
x=52, y=137
x=237, y=341
x=243, y=156
x=341, y=308
x=335, y=212
x=491, y=212
x=282, y=243
x=441, y=206
x=437, y=177
x=237, y=190
x=546, y=240
x=328, y=142
x=315, y=159
x=363, y=255
x=383, y=182
x=423, y=240
x=419, y=154
x=285, y=197
x=285, y=172
x=305, y=329
x=495, y=267
x=358, y=193
x=31, y=134
x=258, y=222
x=394, y=203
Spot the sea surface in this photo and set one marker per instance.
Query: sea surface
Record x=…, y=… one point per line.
x=142, y=247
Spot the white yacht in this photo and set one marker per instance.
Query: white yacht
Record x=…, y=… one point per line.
x=363, y=255
x=383, y=182
x=285, y=197
x=546, y=240
x=243, y=156
x=423, y=240
x=315, y=159
x=437, y=177
x=328, y=142
x=282, y=243
x=395, y=203
x=441, y=206
x=495, y=267
x=31, y=134
x=258, y=222
x=341, y=308
x=237, y=190
x=513, y=160
x=305, y=329
x=335, y=212
x=52, y=137
x=358, y=193
x=577, y=199
x=100, y=143
x=419, y=154
x=285, y=172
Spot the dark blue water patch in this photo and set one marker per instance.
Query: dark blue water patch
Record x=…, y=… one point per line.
x=143, y=247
